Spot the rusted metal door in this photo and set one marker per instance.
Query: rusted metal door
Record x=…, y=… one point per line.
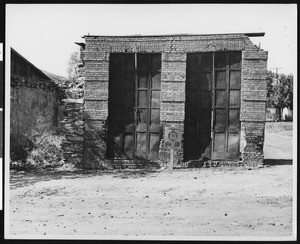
x=198, y=107
x=134, y=106
x=212, y=125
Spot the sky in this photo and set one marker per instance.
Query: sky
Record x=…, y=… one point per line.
x=45, y=34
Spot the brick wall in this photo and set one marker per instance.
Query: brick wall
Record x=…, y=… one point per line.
x=172, y=99
x=253, y=103
x=174, y=51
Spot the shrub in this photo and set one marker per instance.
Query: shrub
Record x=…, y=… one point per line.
x=288, y=117
x=45, y=152
x=19, y=148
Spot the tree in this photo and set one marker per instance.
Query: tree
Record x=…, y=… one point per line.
x=72, y=68
x=279, y=92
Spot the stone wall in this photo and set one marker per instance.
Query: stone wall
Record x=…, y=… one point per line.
x=72, y=119
x=72, y=127
x=33, y=107
x=174, y=51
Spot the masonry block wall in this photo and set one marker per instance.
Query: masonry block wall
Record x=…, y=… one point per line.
x=253, y=103
x=173, y=78
x=174, y=51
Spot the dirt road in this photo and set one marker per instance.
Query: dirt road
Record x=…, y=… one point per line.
x=189, y=202
x=206, y=202
x=278, y=141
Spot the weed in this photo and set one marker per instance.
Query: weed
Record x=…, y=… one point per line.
x=44, y=152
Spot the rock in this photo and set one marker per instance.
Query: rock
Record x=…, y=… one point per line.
x=75, y=138
x=70, y=100
x=75, y=161
x=79, y=123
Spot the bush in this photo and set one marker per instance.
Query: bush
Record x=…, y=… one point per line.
x=288, y=117
x=45, y=152
x=19, y=148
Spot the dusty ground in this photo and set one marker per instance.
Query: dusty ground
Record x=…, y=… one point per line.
x=278, y=140
x=190, y=202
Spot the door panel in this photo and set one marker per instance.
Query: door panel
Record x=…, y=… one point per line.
x=220, y=120
x=143, y=80
x=234, y=120
x=134, y=106
x=143, y=62
x=148, y=105
x=197, y=126
x=221, y=97
x=220, y=60
x=227, y=96
x=155, y=99
x=219, y=146
x=154, y=146
x=129, y=81
x=141, y=145
x=235, y=60
x=206, y=62
x=205, y=100
x=221, y=79
x=216, y=75
x=155, y=113
x=156, y=81
x=235, y=79
x=204, y=121
x=233, y=146
x=206, y=81
x=234, y=98
x=143, y=98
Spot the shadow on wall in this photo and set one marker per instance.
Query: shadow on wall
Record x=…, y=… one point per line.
x=94, y=146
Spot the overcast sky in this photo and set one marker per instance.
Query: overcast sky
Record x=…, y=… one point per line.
x=45, y=33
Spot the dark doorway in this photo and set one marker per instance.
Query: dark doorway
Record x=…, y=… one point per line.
x=198, y=107
x=134, y=106
x=212, y=124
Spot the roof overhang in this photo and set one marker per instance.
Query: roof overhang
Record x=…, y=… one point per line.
x=253, y=34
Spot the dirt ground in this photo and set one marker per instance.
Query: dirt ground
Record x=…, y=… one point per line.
x=278, y=140
x=204, y=202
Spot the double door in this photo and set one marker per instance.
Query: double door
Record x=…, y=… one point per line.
x=212, y=125
x=134, y=106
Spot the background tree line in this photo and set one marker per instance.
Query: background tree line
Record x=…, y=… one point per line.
x=279, y=92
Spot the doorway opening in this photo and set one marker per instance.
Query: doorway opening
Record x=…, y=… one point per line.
x=134, y=106
x=212, y=109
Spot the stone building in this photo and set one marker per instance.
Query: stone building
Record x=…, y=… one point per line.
x=34, y=102
x=212, y=87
